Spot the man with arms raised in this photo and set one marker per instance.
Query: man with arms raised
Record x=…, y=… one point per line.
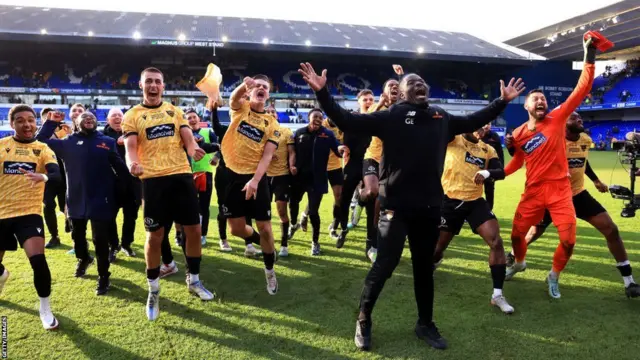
x=248, y=147
x=156, y=134
x=410, y=186
x=540, y=143
x=587, y=208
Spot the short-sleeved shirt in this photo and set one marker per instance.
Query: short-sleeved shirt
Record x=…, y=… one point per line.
x=160, y=147
x=18, y=195
x=280, y=163
x=246, y=137
x=463, y=160
x=577, y=154
x=374, y=151
x=335, y=162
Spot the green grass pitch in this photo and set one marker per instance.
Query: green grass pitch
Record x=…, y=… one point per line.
x=313, y=314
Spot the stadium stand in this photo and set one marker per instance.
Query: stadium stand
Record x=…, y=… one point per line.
x=169, y=27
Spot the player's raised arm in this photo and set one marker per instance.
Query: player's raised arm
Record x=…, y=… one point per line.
x=365, y=124
x=237, y=97
x=461, y=124
x=562, y=112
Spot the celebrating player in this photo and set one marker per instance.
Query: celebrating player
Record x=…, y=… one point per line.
x=248, y=147
x=156, y=134
x=279, y=177
x=410, y=186
x=587, y=208
x=469, y=162
x=540, y=142
x=27, y=165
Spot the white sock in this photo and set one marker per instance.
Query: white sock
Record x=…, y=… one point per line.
x=44, y=303
x=268, y=271
x=154, y=285
x=512, y=254
x=620, y=264
x=554, y=275
x=250, y=246
x=497, y=292
x=194, y=278
x=628, y=280
x=172, y=264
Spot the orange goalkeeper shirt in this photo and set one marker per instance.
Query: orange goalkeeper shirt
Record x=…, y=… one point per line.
x=543, y=150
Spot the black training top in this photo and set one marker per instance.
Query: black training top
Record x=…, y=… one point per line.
x=415, y=138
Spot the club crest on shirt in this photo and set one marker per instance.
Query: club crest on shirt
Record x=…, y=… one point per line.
x=36, y=152
x=583, y=147
x=171, y=113
x=7, y=150
x=535, y=142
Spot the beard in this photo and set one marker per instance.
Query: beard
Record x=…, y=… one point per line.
x=86, y=130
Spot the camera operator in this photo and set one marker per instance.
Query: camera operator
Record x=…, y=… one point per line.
x=587, y=208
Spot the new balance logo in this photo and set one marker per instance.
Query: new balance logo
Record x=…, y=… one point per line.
x=160, y=131
x=411, y=113
x=14, y=167
x=39, y=230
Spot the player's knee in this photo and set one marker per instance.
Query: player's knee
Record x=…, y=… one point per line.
x=567, y=234
x=264, y=227
x=610, y=231
x=495, y=242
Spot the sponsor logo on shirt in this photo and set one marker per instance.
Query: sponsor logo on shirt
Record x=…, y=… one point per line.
x=13, y=167
x=535, y=142
x=473, y=160
x=250, y=132
x=576, y=163
x=103, y=146
x=160, y=131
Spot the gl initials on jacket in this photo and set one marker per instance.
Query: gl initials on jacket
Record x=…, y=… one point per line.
x=409, y=119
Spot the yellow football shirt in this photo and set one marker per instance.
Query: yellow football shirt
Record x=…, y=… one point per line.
x=335, y=162
x=374, y=151
x=18, y=195
x=160, y=147
x=577, y=154
x=246, y=137
x=280, y=163
x=463, y=160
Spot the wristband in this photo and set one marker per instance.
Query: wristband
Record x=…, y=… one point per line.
x=485, y=173
x=46, y=178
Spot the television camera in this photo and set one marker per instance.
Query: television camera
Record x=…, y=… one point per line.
x=629, y=153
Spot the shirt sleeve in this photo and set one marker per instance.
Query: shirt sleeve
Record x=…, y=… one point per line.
x=291, y=140
x=244, y=109
x=560, y=114
x=181, y=118
x=491, y=153
x=48, y=156
x=273, y=134
x=129, y=125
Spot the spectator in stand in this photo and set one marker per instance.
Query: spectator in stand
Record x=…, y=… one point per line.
x=625, y=95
